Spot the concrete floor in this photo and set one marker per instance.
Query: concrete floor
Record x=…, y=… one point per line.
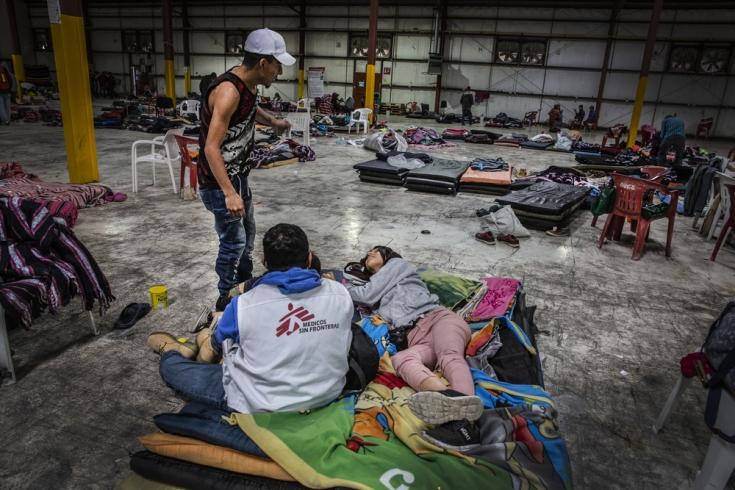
x=612, y=330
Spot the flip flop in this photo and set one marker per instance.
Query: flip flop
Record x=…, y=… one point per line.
x=131, y=314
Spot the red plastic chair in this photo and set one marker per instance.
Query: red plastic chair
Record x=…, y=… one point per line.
x=654, y=173
x=728, y=225
x=614, y=132
x=629, y=199
x=187, y=161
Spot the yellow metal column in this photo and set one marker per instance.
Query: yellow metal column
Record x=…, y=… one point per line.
x=370, y=68
x=187, y=80
x=370, y=86
x=168, y=51
x=17, y=55
x=302, y=41
x=301, y=83
x=640, y=91
x=72, y=74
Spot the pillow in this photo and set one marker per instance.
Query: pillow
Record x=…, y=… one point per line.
x=200, y=452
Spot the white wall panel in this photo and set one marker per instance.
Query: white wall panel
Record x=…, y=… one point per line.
x=517, y=79
x=571, y=83
x=413, y=47
x=687, y=89
x=410, y=74
x=326, y=44
x=460, y=76
x=470, y=48
x=564, y=52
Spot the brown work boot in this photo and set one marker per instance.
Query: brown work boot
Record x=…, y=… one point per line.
x=162, y=342
x=206, y=352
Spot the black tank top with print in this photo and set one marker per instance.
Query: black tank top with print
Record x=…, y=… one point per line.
x=240, y=134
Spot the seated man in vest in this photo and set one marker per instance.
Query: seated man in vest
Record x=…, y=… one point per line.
x=284, y=343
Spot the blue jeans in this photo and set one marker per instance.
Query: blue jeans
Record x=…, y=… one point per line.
x=201, y=385
x=236, y=235
x=193, y=381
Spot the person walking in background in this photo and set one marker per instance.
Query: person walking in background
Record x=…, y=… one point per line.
x=466, y=101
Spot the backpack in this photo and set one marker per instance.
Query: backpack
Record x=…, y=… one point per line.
x=363, y=360
x=719, y=348
x=5, y=83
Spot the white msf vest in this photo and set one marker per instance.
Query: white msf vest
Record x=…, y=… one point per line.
x=293, y=349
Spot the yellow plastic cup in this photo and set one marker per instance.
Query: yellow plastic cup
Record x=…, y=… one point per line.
x=159, y=296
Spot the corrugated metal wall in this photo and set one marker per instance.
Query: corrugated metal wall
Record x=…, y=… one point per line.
x=576, y=40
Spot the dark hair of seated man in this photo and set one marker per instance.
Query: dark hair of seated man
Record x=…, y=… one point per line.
x=285, y=246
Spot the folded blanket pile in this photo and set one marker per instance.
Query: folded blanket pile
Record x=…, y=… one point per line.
x=43, y=264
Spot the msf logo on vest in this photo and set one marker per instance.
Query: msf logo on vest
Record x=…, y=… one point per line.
x=292, y=321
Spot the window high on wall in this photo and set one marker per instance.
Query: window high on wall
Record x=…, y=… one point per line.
x=694, y=58
x=520, y=51
x=137, y=41
x=359, y=46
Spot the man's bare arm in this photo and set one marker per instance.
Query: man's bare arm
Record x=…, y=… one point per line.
x=225, y=100
x=267, y=118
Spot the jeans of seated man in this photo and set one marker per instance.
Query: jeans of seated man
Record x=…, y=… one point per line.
x=236, y=235
x=192, y=380
x=675, y=143
x=206, y=423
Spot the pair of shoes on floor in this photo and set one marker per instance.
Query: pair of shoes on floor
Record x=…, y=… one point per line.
x=453, y=414
x=161, y=342
x=488, y=238
x=485, y=211
x=555, y=231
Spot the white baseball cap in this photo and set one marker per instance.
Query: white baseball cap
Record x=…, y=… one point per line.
x=265, y=41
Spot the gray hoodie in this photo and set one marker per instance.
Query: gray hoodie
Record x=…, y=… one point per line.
x=398, y=291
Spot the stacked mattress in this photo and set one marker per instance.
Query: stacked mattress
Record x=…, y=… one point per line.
x=545, y=204
x=380, y=172
x=439, y=176
x=486, y=182
x=537, y=145
x=512, y=140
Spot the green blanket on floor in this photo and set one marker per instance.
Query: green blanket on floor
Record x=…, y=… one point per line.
x=311, y=447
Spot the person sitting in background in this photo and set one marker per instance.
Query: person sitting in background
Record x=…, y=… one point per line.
x=555, y=115
x=578, y=118
x=591, y=121
x=435, y=338
x=673, y=139
x=205, y=82
x=337, y=107
x=284, y=343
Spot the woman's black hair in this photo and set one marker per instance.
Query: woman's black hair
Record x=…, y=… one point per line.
x=360, y=270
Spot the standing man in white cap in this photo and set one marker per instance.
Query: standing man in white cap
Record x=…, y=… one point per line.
x=228, y=114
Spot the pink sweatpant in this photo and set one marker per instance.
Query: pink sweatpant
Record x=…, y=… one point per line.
x=437, y=341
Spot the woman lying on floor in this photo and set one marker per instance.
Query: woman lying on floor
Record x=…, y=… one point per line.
x=433, y=337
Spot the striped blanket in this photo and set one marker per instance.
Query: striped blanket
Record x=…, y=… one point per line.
x=43, y=264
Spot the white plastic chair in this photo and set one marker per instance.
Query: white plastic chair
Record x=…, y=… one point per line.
x=719, y=462
x=161, y=149
x=360, y=117
x=189, y=107
x=300, y=121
